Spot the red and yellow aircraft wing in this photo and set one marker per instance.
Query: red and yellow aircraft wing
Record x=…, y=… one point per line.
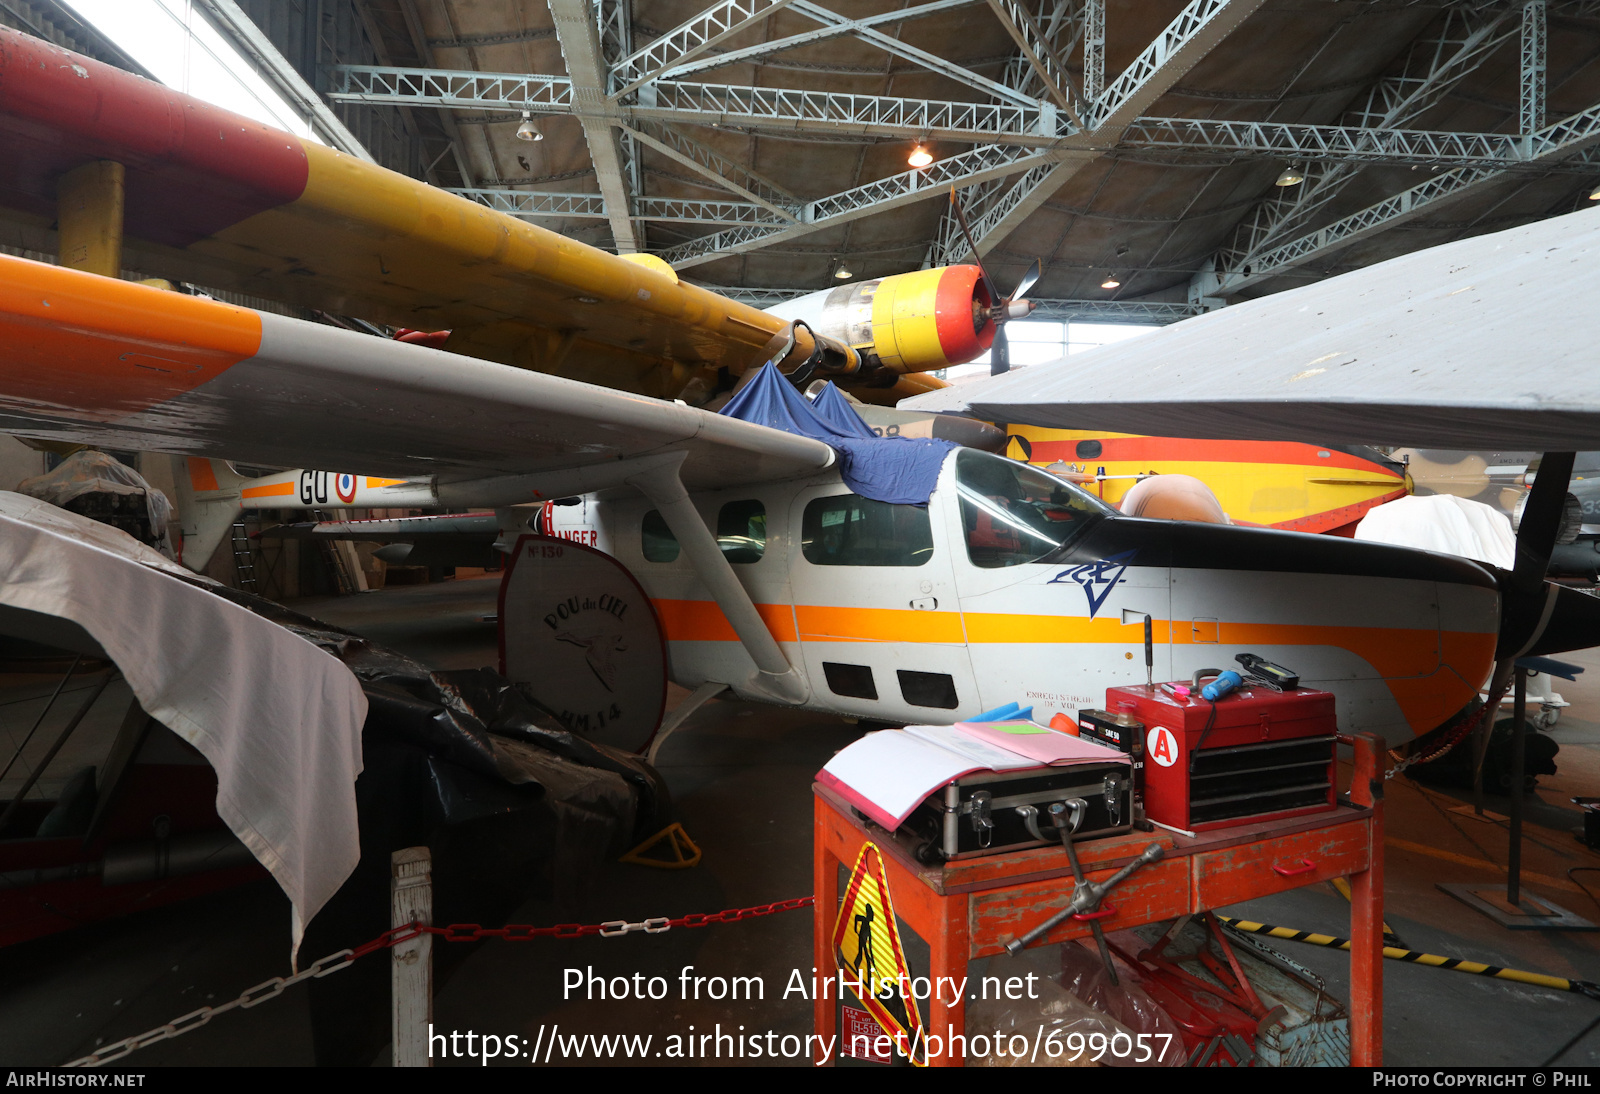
x=1278, y=484
x=208, y=196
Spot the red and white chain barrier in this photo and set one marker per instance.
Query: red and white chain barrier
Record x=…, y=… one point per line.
x=394, y=936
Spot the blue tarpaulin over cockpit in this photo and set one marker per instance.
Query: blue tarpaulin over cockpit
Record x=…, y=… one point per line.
x=899, y=470
x=832, y=407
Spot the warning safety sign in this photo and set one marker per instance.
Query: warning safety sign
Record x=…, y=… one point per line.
x=866, y=944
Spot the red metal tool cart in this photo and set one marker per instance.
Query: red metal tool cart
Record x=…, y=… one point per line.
x=970, y=908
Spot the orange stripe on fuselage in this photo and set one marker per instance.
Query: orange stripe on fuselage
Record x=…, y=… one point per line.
x=826, y=624
x=101, y=349
x=1392, y=651
x=1427, y=701
x=1395, y=652
x=1467, y=649
x=985, y=628
x=1422, y=668
x=703, y=621
x=271, y=490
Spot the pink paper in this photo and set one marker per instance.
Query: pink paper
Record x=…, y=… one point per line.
x=1050, y=747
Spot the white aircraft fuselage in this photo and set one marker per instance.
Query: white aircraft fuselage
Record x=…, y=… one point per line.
x=912, y=614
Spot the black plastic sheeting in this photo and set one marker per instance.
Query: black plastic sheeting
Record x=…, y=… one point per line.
x=512, y=805
x=1455, y=769
x=473, y=719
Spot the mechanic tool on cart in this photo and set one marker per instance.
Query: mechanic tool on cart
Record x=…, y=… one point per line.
x=1086, y=895
x=1129, y=616
x=1065, y=817
x=1224, y=681
x=1258, y=671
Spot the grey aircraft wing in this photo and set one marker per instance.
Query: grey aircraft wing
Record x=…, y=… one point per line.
x=1495, y=337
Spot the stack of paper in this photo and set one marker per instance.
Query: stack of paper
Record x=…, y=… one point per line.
x=887, y=775
x=1039, y=743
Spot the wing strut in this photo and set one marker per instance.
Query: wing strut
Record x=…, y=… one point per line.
x=775, y=677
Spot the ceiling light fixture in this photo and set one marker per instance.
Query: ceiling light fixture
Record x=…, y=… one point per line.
x=1292, y=176
x=1594, y=195
x=920, y=156
x=843, y=272
x=1110, y=282
x=527, y=131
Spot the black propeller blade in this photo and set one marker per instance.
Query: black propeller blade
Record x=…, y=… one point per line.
x=1000, y=308
x=1000, y=352
x=1029, y=279
x=1573, y=624
x=1527, y=602
x=1541, y=520
x=1536, y=616
x=961, y=218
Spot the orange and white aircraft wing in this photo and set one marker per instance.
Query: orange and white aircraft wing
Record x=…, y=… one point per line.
x=90, y=359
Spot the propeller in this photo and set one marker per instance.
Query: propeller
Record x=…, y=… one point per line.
x=1526, y=599
x=1000, y=352
x=1000, y=308
x=1028, y=280
x=1537, y=616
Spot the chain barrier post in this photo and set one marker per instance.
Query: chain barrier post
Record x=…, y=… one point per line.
x=411, y=902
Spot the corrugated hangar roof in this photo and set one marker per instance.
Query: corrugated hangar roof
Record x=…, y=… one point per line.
x=760, y=144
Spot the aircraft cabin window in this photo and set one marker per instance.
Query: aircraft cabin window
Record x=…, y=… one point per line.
x=849, y=530
x=1013, y=513
x=852, y=681
x=928, y=689
x=742, y=531
x=656, y=539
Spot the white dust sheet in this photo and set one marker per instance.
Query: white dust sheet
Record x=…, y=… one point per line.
x=278, y=719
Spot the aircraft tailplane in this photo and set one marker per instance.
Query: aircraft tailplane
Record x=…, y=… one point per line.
x=209, y=502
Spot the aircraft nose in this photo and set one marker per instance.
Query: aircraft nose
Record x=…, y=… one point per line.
x=1549, y=619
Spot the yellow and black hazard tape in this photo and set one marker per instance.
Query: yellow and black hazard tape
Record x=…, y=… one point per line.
x=1389, y=937
x=1432, y=960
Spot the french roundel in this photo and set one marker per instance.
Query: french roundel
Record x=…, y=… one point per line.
x=345, y=487
x=1161, y=746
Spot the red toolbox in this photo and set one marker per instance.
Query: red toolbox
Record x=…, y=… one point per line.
x=1252, y=755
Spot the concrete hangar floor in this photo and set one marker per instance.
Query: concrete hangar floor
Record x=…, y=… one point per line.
x=740, y=776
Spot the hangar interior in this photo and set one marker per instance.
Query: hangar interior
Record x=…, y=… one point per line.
x=1112, y=166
